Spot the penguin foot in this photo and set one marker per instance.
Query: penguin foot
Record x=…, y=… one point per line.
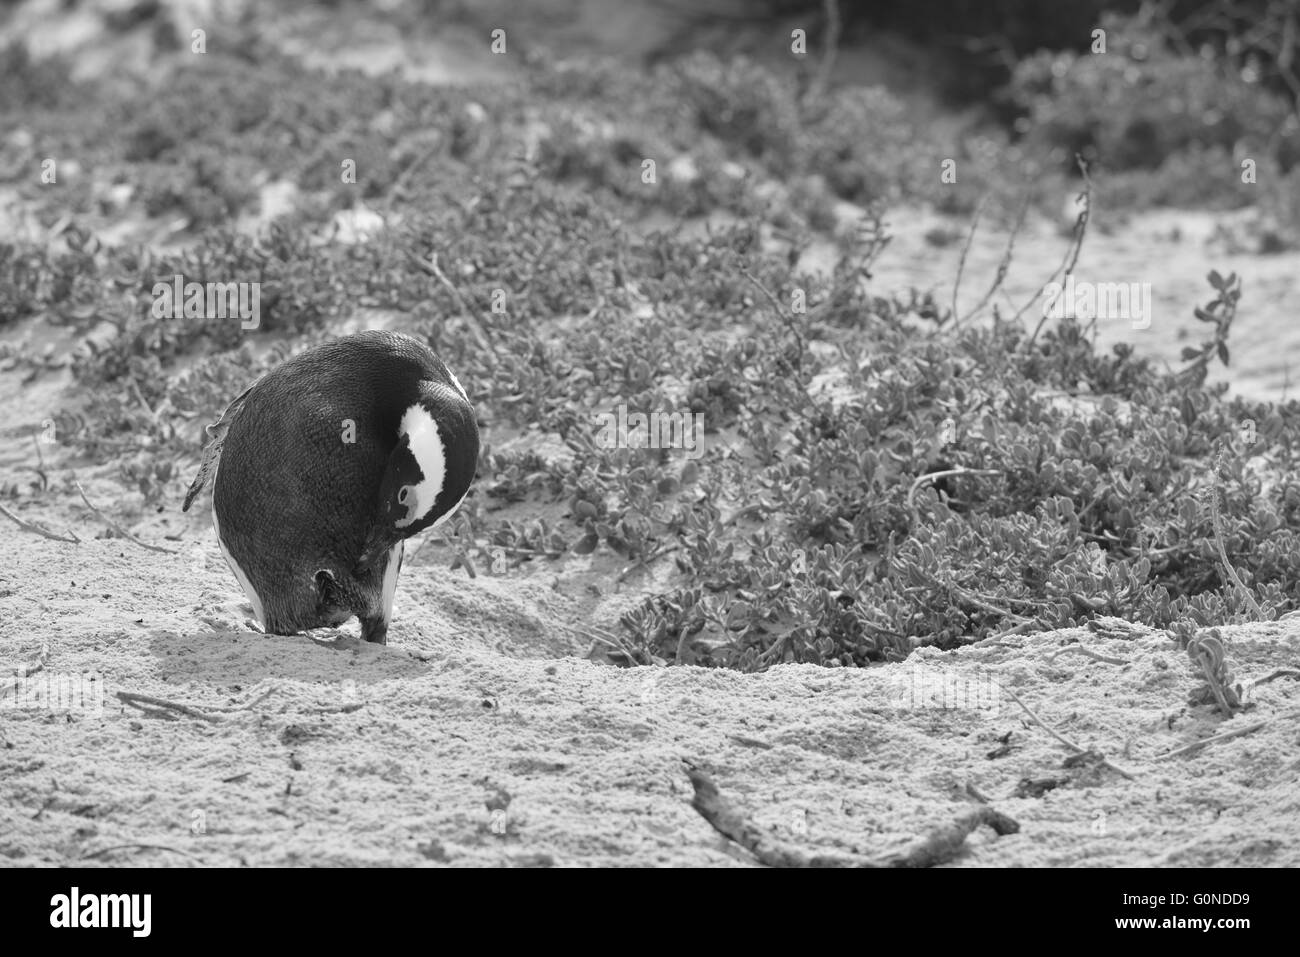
x=375, y=630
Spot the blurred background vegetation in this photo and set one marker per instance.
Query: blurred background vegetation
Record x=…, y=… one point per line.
x=879, y=471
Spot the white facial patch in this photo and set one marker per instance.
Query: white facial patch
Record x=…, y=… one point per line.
x=243, y=580
x=426, y=445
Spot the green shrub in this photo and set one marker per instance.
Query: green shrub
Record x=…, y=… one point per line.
x=813, y=527
x=1140, y=104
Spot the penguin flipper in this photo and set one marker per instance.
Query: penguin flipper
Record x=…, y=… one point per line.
x=212, y=451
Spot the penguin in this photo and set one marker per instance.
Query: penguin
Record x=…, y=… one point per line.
x=323, y=467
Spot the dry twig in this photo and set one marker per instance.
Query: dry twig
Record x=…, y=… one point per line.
x=1071, y=252
x=1004, y=264
x=1089, y=652
x=965, y=249
x=935, y=476
x=1234, y=733
x=430, y=266
x=943, y=845
x=788, y=321
x=147, y=847
x=821, y=83
x=1065, y=741
x=1217, y=521
x=119, y=529
x=158, y=707
x=38, y=530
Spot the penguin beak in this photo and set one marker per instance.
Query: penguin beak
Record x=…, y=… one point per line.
x=374, y=630
x=378, y=542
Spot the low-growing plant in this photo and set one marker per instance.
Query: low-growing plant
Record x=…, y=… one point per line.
x=876, y=472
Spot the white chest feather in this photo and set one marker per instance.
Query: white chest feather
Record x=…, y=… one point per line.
x=390, y=581
x=249, y=592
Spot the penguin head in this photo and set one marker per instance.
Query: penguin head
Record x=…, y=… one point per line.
x=428, y=471
x=399, y=499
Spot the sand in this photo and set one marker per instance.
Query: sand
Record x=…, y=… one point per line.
x=484, y=735
x=476, y=738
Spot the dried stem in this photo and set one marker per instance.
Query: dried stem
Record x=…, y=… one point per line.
x=1071, y=252
x=151, y=705
x=934, y=476
x=786, y=320
x=430, y=266
x=1234, y=733
x=1065, y=741
x=37, y=530
x=821, y=83
x=1217, y=520
x=1004, y=264
x=146, y=847
x=119, y=529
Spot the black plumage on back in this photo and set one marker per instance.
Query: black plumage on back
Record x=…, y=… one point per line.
x=300, y=462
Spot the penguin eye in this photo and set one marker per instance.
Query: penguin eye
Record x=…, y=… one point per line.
x=403, y=494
